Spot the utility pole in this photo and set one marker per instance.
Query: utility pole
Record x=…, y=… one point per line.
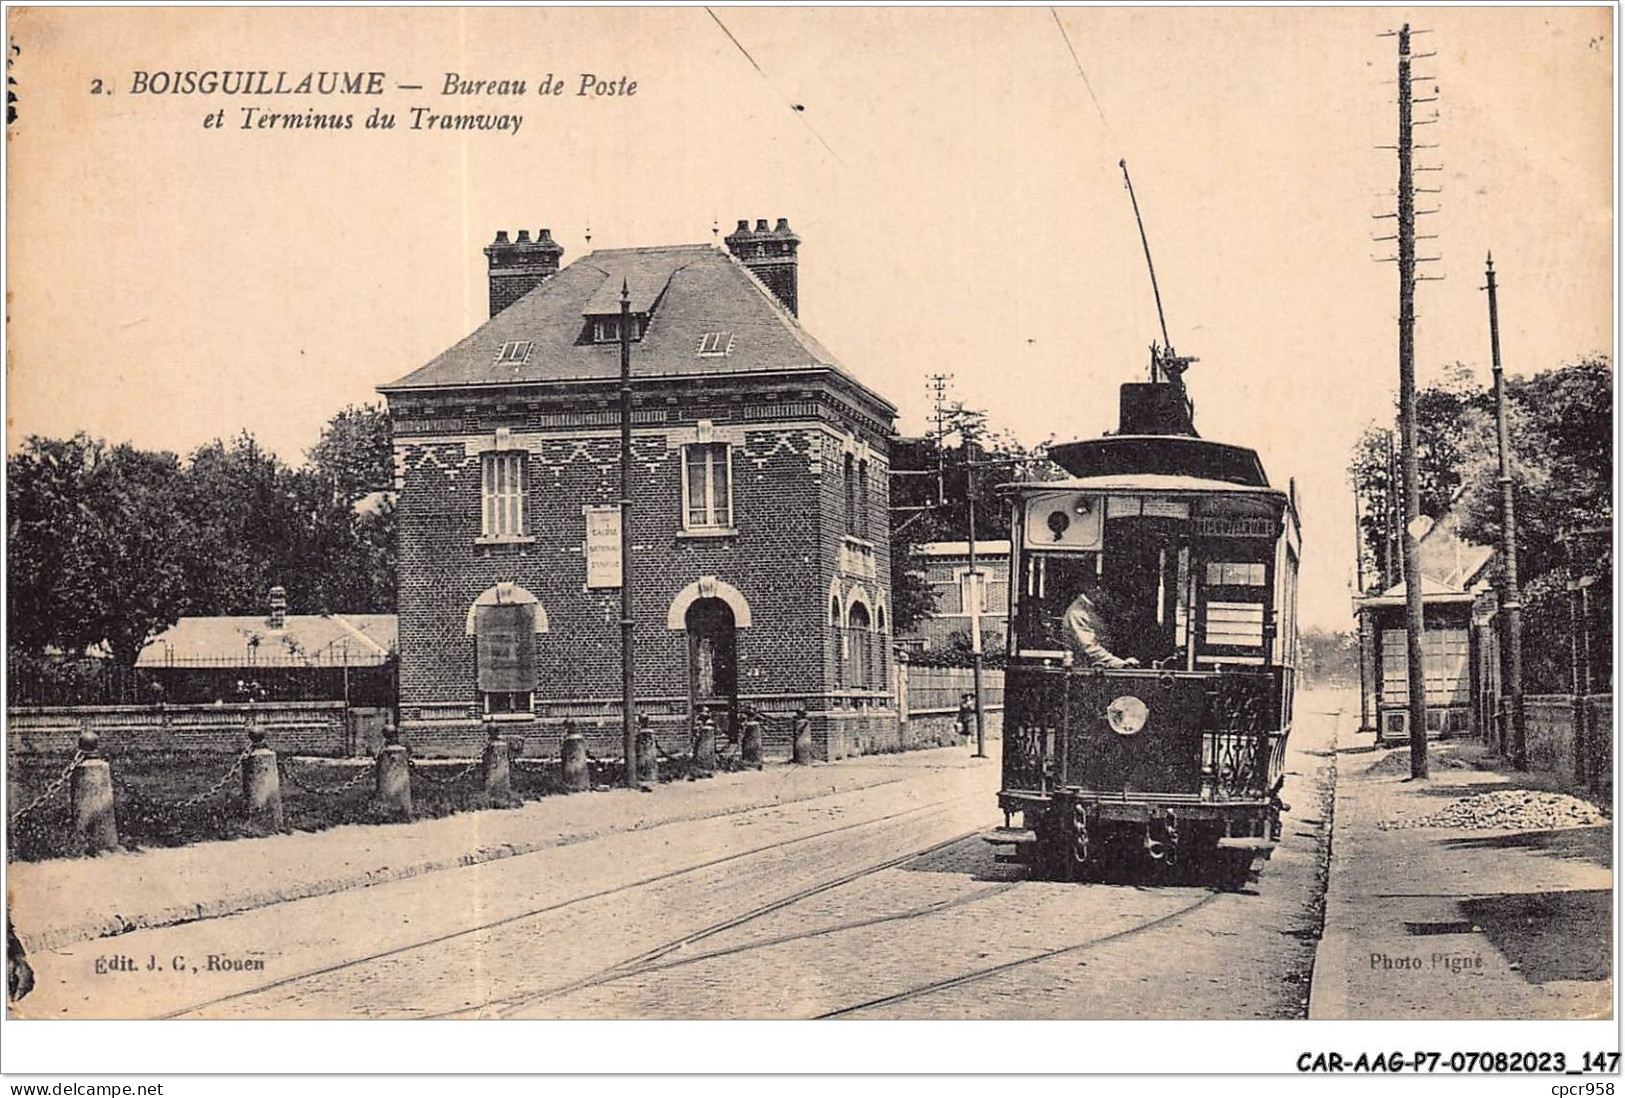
x=1415, y=667
x=1359, y=592
x=939, y=385
x=1512, y=738
x=628, y=705
x=975, y=596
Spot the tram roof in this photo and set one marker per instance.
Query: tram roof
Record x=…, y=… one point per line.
x=1158, y=483
x=1164, y=455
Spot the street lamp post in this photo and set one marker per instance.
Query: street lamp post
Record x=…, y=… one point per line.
x=628, y=705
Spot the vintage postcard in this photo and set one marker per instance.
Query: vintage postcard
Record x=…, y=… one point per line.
x=734, y=513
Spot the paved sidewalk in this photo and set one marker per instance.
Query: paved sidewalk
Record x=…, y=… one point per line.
x=58, y=902
x=1461, y=922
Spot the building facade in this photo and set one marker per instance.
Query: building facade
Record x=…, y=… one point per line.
x=946, y=567
x=760, y=570
x=1458, y=676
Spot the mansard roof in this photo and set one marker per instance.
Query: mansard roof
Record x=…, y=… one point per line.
x=688, y=292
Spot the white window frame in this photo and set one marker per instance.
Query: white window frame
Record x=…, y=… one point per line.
x=715, y=345
x=713, y=519
x=503, y=477
x=515, y=352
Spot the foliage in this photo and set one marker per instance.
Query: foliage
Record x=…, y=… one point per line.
x=1327, y=658
x=1560, y=428
x=1449, y=418
x=109, y=545
x=97, y=546
x=973, y=460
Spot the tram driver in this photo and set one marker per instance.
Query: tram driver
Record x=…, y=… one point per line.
x=1087, y=632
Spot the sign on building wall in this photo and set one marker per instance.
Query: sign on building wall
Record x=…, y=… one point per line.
x=603, y=546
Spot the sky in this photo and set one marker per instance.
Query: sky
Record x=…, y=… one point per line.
x=954, y=179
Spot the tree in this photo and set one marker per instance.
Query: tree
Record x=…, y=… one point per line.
x=99, y=546
x=1448, y=415
x=920, y=515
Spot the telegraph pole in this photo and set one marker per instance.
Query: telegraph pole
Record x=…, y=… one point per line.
x=975, y=607
x=939, y=384
x=1415, y=668
x=1359, y=592
x=1512, y=655
x=628, y=705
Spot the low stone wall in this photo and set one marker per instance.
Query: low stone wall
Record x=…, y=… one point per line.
x=295, y=728
x=1554, y=744
x=1549, y=733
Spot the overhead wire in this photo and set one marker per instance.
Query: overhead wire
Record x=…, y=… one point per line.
x=1079, y=66
x=796, y=108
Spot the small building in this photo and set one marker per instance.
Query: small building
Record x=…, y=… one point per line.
x=759, y=518
x=277, y=655
x=1454, y=660
x=946, y=567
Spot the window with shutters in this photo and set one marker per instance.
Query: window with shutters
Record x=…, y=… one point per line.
x=502, y=494
x=707, y=487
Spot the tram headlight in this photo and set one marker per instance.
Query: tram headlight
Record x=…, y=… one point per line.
x=1127, y=715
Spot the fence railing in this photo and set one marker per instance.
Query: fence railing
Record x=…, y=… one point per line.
x=939, y=689
x=37, y=682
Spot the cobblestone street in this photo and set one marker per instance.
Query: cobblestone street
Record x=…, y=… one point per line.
x=877, y=902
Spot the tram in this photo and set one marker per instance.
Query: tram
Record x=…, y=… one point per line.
x=1148, y=689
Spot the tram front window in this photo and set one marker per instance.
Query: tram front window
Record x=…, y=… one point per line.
x=1124, y=609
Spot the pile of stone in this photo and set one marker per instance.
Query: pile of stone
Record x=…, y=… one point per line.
x=1398, y=762
x=1508, y=810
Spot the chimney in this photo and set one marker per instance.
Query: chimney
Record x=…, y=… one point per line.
x=519, y=266
x=279, y=608
x=770, y=254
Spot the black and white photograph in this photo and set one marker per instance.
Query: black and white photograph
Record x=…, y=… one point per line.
x=869, y=515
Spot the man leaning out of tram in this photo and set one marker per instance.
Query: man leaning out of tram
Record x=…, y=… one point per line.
x=1087, y=631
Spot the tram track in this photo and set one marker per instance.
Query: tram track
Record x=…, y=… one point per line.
x=650, y=961
x=547, y=909
x=994, y=970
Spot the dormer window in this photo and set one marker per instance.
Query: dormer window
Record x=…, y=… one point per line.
x=515, y=352
x=715, y=344
x=607, y=329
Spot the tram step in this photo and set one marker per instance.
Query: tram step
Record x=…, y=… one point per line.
x=1254, y=844
x=1010, y=836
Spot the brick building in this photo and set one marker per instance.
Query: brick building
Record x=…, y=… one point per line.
x=946, y=567
x=761, y=571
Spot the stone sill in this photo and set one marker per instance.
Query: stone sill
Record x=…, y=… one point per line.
x=709, y=532
x=506, y=539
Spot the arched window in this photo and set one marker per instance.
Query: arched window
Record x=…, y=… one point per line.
x=504, y=621
x=849, y=480
x=857, y=628
x=862, y=522
x=838, y=635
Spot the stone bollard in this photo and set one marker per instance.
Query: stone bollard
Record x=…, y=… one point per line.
x=801, y=750
x=750, y=743
x=393, y=788
x=91, y=794
x=648, y=756
x=262, y=785
x=494, y=765
x=573, y=756
x=705, y=744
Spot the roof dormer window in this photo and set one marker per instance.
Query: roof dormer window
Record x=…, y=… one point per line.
x=607, y=329
x=715, y=344
x=515, y=352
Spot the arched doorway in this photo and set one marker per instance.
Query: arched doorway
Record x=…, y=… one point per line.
x=713, y=662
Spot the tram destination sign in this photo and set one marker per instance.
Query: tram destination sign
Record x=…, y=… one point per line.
x=1235, y=526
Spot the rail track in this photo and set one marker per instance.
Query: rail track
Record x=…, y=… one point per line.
x=645, y=882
